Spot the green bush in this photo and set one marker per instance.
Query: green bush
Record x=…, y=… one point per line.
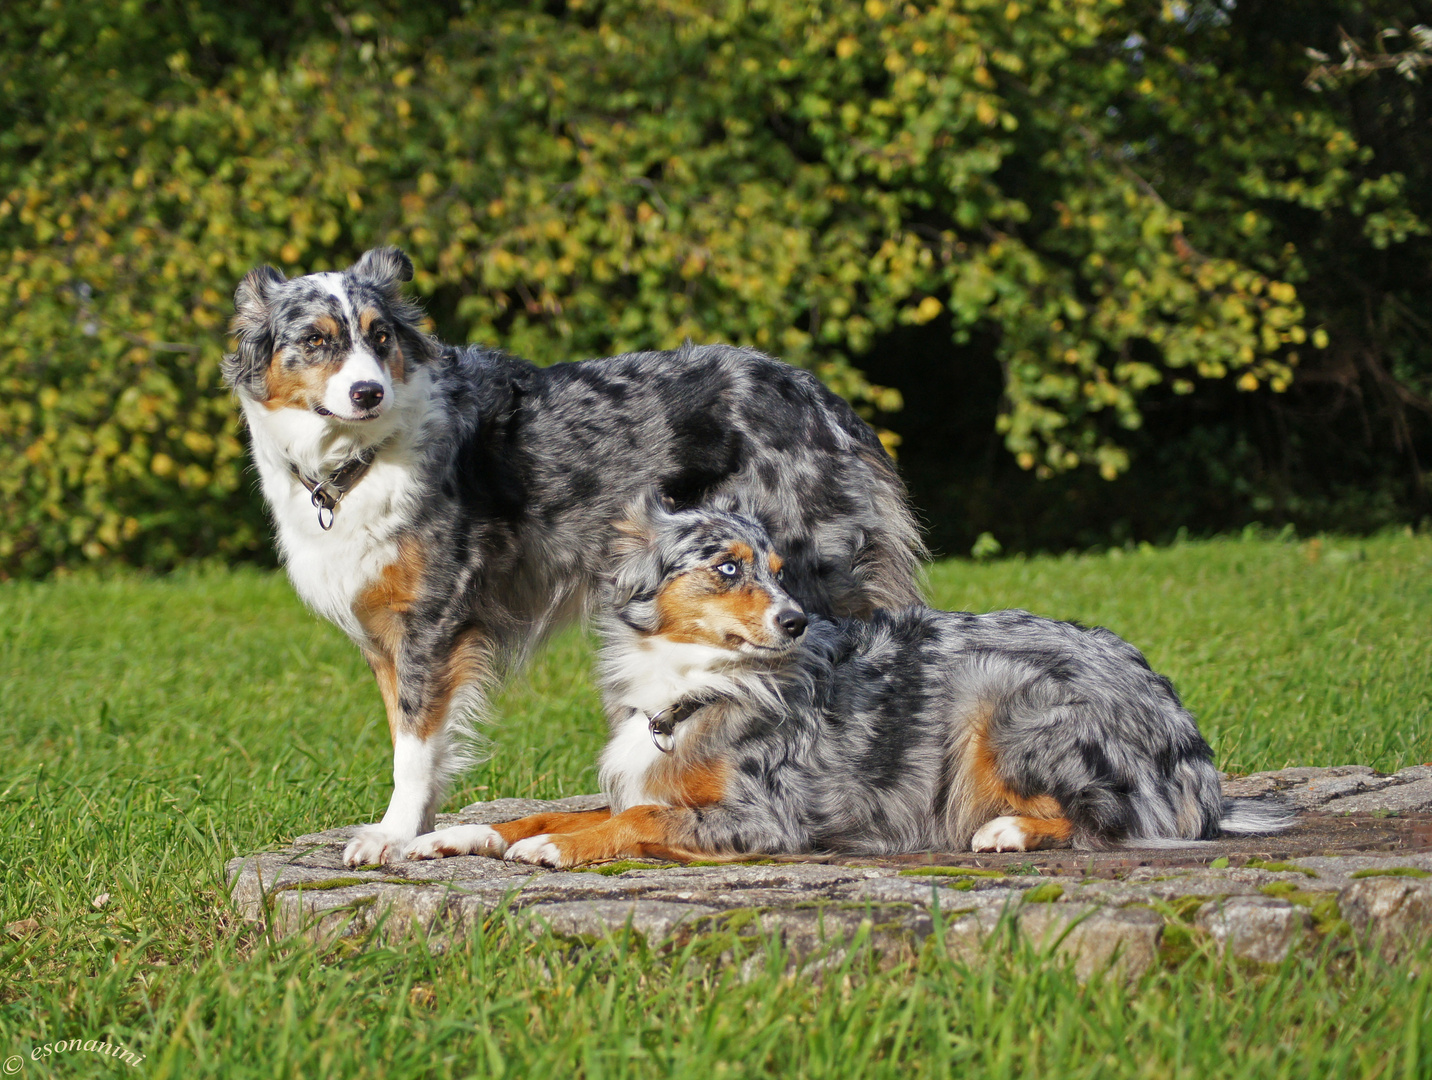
x=570, y=181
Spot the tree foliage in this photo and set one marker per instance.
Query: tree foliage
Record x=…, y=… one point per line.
x=1101, y=191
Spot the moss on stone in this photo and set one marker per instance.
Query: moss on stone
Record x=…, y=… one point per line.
x=1322, y=907
x=1278, y=889
x=1177, y=943
x=1045, y=893
x=1393, y=871
x=340, y=883
x=612, y=869
x=1279, y=867
x=1186, y=907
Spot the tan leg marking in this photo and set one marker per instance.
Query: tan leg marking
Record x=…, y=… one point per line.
x=642, y=830
x=1045, y=832
x=537, y=824
x=984, y=794
x=380, y=610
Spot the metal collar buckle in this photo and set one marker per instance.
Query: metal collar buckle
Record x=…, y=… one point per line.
x=325, y=494
x=663, y=725
x=326, y=502
x=663, y=730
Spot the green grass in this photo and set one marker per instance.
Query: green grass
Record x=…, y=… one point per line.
x=152, y=729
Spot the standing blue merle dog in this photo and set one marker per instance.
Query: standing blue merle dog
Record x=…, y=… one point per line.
x=448, y=506
x=740, y=724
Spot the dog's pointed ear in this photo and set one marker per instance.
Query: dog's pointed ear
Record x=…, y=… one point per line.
x=253, y=299
x=253, y=303
x=385, y=267
x=637, y=569
x=643, y=516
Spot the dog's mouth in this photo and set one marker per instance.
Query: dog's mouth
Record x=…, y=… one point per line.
x=361, y=418
x=737, y=643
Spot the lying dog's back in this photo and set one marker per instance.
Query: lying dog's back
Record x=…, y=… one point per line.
x=916, y=728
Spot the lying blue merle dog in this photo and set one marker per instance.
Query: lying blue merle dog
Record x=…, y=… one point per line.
x=742, y=724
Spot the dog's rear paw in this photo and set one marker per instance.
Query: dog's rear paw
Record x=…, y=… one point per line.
x=457, y=840
x=1001, y=834
x=374, y=844
x=536, y=849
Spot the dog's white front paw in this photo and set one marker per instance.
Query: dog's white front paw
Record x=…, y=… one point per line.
x=457, y=840
x=535, y=849
x=1001, y=834
x=374, y=844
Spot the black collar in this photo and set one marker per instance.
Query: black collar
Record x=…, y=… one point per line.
x=663, y=725
x=328, y=490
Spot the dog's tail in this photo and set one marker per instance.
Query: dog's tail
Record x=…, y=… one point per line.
x=1238, y=817
x=1251, y=817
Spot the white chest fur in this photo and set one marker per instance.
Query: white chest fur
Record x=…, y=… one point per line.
x=330, y=568
x=644, y=676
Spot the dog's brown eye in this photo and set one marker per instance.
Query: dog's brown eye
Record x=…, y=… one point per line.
x=381, y=337
x=314, y=341
x=728, y=569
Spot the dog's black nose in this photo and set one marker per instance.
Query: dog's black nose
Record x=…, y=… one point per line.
x=792, y=621
x=366, y=394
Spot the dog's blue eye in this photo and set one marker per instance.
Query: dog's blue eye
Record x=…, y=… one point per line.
x=728, y=569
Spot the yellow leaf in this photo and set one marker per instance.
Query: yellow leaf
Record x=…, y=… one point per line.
x=928, y=309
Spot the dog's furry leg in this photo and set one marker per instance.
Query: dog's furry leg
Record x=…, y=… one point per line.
x=621, y=834
x=429, y=693
x=681, y=832
x=1021, y=834
x=494, y=840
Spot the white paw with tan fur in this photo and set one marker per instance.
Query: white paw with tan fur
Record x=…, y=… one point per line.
x=457, y=840
x=538, y=850
x=374, y=844
x=1001, y=834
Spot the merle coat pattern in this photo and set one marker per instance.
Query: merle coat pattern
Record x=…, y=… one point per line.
x=912, y=729
x=486, y=487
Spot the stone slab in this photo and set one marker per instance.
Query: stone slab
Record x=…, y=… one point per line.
x=1263, y=929
x=1103, y=911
